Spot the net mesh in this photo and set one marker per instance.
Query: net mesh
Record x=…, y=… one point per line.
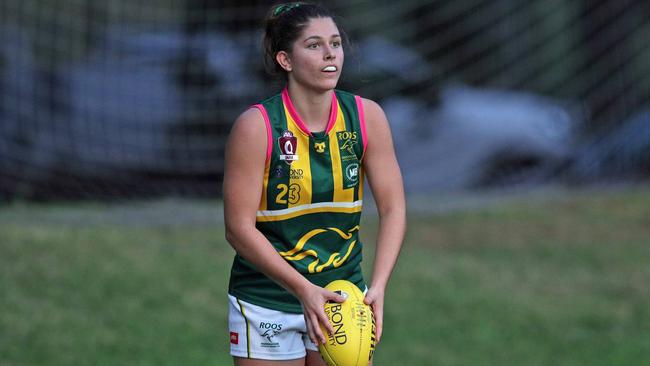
x=135, y=98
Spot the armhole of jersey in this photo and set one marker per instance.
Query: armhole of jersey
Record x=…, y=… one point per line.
x=269, y=133
x=362, y=123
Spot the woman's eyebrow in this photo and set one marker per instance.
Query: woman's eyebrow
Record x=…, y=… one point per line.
x=335, y=35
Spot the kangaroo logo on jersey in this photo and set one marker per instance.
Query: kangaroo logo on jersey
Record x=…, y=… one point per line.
x=347, y=140
x=319, y=260
x=319, y=147
x=348, y=146
x=288, y=145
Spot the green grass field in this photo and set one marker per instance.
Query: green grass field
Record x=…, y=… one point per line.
x=563, y=281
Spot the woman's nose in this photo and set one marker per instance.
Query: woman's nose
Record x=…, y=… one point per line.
x=329, y=55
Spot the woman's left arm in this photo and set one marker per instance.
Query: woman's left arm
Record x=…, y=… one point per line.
x=385, y=181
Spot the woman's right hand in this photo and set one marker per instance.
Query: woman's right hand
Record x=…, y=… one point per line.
x=313, y=299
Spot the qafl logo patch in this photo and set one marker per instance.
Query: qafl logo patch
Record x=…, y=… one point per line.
x=288, y=145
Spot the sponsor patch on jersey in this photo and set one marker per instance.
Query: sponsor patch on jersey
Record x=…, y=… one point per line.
x=296, y=173
x=234, y=337
x=352, y=172
x=351, y=175
x=288, y=145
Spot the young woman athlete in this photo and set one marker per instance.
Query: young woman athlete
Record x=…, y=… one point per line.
x=293, y=188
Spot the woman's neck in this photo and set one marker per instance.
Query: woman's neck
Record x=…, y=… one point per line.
x=314, y=108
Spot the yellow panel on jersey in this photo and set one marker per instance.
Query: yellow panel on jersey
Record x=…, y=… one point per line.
x=300, y=174
x=341, y=194
x=265, y=187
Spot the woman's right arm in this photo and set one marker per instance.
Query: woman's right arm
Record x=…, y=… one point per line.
x=242, y=188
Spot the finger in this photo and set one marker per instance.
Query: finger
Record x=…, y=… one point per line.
x=379, y=318
x=322, y=318
x=317, y=329
x=310, y=331
x=336, y=297
x=378, y=331
x=368, y=300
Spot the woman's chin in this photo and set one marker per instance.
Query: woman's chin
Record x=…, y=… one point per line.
x=321, y=84
x=328, y=84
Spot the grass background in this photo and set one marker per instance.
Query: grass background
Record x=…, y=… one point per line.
x=561, y=281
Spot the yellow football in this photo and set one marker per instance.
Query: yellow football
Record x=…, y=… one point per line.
x=353, y=340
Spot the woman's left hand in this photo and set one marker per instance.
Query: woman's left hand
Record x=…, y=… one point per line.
x=375, y=298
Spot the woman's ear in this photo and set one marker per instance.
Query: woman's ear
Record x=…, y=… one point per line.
x=283, y=60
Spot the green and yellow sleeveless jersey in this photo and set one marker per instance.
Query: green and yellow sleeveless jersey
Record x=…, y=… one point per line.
x=311, y=200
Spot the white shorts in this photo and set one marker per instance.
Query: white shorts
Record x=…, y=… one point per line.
x=261, y=333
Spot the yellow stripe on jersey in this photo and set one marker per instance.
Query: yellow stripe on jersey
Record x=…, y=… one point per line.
x=299, y=183
x=340, y=194
x=265, y=186
x=279, y=215
x=361, y=180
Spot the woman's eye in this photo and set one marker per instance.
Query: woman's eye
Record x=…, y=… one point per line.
x=313, y=45
x=336, y=44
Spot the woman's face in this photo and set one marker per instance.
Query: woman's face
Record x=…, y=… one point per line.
x=316, y=58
